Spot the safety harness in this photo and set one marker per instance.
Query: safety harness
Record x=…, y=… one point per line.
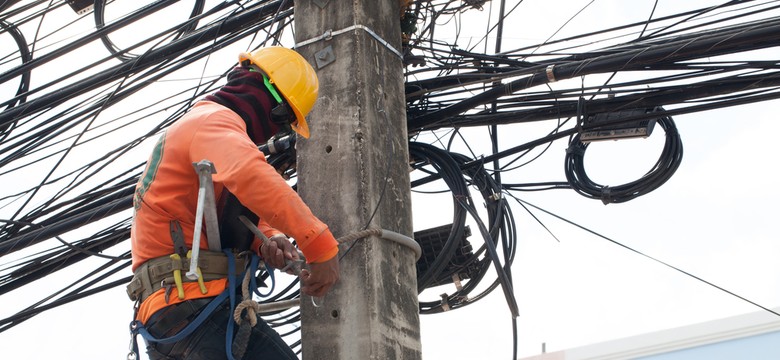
x=233, y=263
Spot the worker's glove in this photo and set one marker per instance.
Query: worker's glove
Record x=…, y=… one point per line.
x=278, y=251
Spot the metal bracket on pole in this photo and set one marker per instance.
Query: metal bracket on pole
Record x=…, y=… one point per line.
x=324, y=57
x=207, y=207
x=321, y=3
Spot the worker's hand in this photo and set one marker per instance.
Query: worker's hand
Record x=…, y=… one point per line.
x=276, y=250
x=320, y=277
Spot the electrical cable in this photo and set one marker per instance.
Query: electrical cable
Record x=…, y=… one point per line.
x=175, y=48
x=24, y=81
x=664, y=168
x=445, y=165
x=489, y=189
x=447, y=88
x=99, y=12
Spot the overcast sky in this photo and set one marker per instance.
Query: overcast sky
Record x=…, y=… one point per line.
x=716, y=218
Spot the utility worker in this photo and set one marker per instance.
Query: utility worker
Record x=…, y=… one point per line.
x=271, y=91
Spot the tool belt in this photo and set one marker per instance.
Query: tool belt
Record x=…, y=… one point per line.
x=158, y=273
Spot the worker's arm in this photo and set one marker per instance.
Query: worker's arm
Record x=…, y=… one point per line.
x=267, y=230
x=242, y=168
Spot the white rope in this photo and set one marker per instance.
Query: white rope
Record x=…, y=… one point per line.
x=251, y=306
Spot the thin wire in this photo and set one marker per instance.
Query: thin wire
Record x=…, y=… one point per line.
x=564, y=25
x=679, y=270
x=655, y=4
x=388, y=147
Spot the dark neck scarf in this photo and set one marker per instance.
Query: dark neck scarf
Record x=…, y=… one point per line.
x=247, y=96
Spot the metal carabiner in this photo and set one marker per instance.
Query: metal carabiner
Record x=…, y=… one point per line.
x=133, y=354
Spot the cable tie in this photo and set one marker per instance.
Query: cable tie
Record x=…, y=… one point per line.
x=550, y=73
x=271, y=147
x=329, y=34
x=456, y=280
x=575, y=149
x=606, y=195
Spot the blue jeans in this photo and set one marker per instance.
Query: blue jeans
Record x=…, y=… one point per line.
x=208, y=341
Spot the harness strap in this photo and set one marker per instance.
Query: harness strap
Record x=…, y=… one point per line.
x=141, y=329
x=232, y=293
x=137, y=327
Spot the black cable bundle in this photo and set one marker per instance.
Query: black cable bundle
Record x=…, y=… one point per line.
x=500, y=221
x=664, y=168
x=280, y=153
x=449, y=170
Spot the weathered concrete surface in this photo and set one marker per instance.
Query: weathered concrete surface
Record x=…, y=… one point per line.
x=353, y=172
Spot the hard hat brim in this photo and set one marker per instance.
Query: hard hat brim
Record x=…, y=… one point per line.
x=299, y=125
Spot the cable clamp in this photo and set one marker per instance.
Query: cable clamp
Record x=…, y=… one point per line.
x=329, y=34
x=550, y=73
x=575, y=149
x=606, y=195
x=445, y=302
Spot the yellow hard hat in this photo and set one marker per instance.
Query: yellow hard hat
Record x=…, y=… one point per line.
x=293, y=76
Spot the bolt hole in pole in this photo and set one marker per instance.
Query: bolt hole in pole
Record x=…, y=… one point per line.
x=334, y=314
x=328, y=149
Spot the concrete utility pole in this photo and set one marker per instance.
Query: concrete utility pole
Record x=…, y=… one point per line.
x=354, y=174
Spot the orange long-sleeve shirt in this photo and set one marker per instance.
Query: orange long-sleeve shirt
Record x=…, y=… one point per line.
x=169, y=186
